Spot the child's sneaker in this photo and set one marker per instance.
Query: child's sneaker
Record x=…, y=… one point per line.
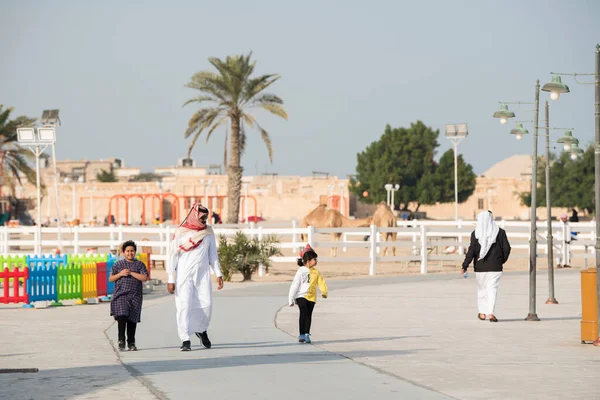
x=307, y=338
x=301, y=338
x=132, y=347
x=121, y=345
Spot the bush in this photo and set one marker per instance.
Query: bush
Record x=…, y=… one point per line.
x=245, y=255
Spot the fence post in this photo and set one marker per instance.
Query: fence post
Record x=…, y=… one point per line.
x=373, y=249
x=423, y=249
x=76, y=240
x=311, y=235
x=167, y=239
x=295, y=234
x=261, y=268
x=112, y=246
x=120, y=234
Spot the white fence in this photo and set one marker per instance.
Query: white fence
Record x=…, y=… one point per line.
x=421, y=242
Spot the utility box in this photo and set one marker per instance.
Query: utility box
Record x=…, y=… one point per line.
x=589, y=306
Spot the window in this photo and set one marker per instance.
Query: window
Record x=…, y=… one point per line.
x=78, y=172
x=480, y=204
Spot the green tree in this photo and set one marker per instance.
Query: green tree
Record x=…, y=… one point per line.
x=571, y=182
x=405, y=156
x=401, y=156
x=106, y=176
x=229, y=95
x=437, y=186
x=245, y=255
x=14, y=158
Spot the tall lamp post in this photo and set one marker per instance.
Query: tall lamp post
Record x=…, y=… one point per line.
x=504, y=114
x=456, y=133
x=50, y=120
x=37, y=142
x=91, y=192
x=73, y=203
x=568, y=142
x=394, y=190
x=556, y=88
x=388, y=188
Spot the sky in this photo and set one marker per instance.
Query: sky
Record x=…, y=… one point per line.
x=117, y=71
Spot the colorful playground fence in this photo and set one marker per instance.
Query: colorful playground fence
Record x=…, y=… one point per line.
x=27, y=279
x=17, y=297
x=89, y=281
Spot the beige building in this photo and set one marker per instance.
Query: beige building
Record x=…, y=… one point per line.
x=271, y=197
x=497, y=190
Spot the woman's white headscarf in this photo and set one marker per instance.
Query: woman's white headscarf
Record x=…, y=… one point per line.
x=486, y=232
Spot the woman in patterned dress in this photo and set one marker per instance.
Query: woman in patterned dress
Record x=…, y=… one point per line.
x=126, y=305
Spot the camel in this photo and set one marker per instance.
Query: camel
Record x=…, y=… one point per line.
x=385, y=218
x=323, y=217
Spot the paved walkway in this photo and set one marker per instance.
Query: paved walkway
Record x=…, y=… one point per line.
x=387, y=338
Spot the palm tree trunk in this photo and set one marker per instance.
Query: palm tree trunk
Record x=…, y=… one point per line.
x=234, y=172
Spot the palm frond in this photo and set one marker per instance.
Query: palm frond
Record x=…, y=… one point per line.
x=257, y=85
x=275, y=109
x=214, y=126
x=200, y=99
x=267, y=139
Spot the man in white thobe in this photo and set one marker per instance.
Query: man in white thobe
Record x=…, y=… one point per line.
x=193, y=256
x=563, y=244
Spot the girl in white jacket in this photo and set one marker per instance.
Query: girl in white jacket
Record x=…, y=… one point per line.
x=303, y=291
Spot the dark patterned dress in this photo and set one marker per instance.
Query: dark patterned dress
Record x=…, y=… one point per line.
x=127, y=297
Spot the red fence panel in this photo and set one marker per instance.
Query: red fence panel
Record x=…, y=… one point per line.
x=19, y=293
x=101, y=282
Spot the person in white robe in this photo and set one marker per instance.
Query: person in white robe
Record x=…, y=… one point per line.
x=192, y=258
x=562, y=244
x=489, y=250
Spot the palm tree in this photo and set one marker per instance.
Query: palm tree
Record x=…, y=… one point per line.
x=226, y=95
x=13, y=158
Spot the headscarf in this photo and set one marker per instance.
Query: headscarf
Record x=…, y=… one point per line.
x=194, y=226
x=486, y=232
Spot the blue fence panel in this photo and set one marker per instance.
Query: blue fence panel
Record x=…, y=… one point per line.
x=41, y=285
x=44, y=261
x=110, y=286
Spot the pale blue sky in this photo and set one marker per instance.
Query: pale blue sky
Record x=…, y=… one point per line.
x=117, y=70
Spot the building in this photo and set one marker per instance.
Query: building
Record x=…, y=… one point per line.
x=271, y=197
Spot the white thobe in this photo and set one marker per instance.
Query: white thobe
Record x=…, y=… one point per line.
x=190, y=271
x=487, y=291
x=563, y=245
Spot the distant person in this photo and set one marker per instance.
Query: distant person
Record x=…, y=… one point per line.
x=126, y=304
x=303, y=291
x=489, y=250
x=563, y=244
x=574, y=216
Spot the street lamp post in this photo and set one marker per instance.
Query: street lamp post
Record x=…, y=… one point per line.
x=568, y=142
x=388, y=187
x=456, y=133
x=504, y=114
x=37, y=143
x=394, y=190
x=91, y=192
x=342, y=205
x=556, y=87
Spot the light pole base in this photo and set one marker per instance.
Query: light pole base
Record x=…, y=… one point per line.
x=551, y=300
x=532, y=317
